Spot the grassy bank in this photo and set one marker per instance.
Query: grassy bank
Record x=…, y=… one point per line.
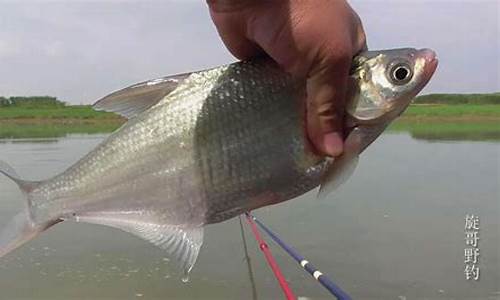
x=451, y=99
x=432, y=130
x=75, y=112
x=19, y=130
x=466, y=112
x=442, y=116
x=486, y=106
x=85, y=112
x=449, y=130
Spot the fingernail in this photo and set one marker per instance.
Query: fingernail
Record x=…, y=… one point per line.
x=333, y=143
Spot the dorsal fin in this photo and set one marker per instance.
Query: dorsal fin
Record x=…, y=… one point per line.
x=137, y=98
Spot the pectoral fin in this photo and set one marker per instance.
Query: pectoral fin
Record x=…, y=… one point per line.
x=180, y=242
x=343, y=166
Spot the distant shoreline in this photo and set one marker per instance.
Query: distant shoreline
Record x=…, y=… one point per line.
x=84, y=114
x=474, y=122
x=63, y=121
x=118, y=121
x=45, y=115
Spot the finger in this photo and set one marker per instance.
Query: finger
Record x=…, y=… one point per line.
x=327, y=89
x=230, y=20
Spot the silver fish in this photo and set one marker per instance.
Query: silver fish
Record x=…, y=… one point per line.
x=203, y=147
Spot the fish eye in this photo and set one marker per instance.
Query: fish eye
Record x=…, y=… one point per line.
x=400, y=73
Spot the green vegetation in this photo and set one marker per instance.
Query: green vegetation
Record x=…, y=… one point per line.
x=41, y=117
x=45, y=107
x=436, y=116
x=64, y=112
x=493, y=98
x=450, y=131
x=433, y=105
x=473, y=117
x=10, y=130
x=456, y=110
x=35, y=102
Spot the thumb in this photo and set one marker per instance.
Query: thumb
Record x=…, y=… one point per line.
x=326, y=91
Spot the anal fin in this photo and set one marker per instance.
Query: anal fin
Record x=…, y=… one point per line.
x=181, y=243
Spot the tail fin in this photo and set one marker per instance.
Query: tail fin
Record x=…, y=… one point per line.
x=21, y=228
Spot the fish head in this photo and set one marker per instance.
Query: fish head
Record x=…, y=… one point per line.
x=384, y=82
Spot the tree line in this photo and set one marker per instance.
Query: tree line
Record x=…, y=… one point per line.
x=493, y=98
x=34, y=101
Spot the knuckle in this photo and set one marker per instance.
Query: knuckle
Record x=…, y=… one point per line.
x=343, y=54
x=326, y=110
x=360, y=39
x=359, y=35
x=328, y=124
x=336, y=58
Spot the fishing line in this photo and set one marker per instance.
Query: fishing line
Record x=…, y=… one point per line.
x=249, y=263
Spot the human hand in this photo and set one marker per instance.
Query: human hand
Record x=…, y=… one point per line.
x=309, y=39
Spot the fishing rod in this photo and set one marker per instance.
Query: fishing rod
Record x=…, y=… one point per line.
x=305, y=264
x=270, y=260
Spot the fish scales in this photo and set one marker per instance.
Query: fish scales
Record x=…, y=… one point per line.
x=200, y=146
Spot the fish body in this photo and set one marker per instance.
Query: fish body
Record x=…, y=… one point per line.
x=227, y=140
x=204, y=147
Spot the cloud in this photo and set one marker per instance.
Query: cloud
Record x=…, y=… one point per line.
x=54, y=48
x=81, y=50
x=465, y=35
x=7, y=49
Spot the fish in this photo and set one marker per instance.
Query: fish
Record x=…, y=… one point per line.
x=203, y=147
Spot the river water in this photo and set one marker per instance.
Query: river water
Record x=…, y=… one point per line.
x=395, y=230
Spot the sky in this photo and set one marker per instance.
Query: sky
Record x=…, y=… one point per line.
x=80, y=51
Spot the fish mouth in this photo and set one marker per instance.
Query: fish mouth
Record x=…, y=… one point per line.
x=429, y=67
x=431, y=63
